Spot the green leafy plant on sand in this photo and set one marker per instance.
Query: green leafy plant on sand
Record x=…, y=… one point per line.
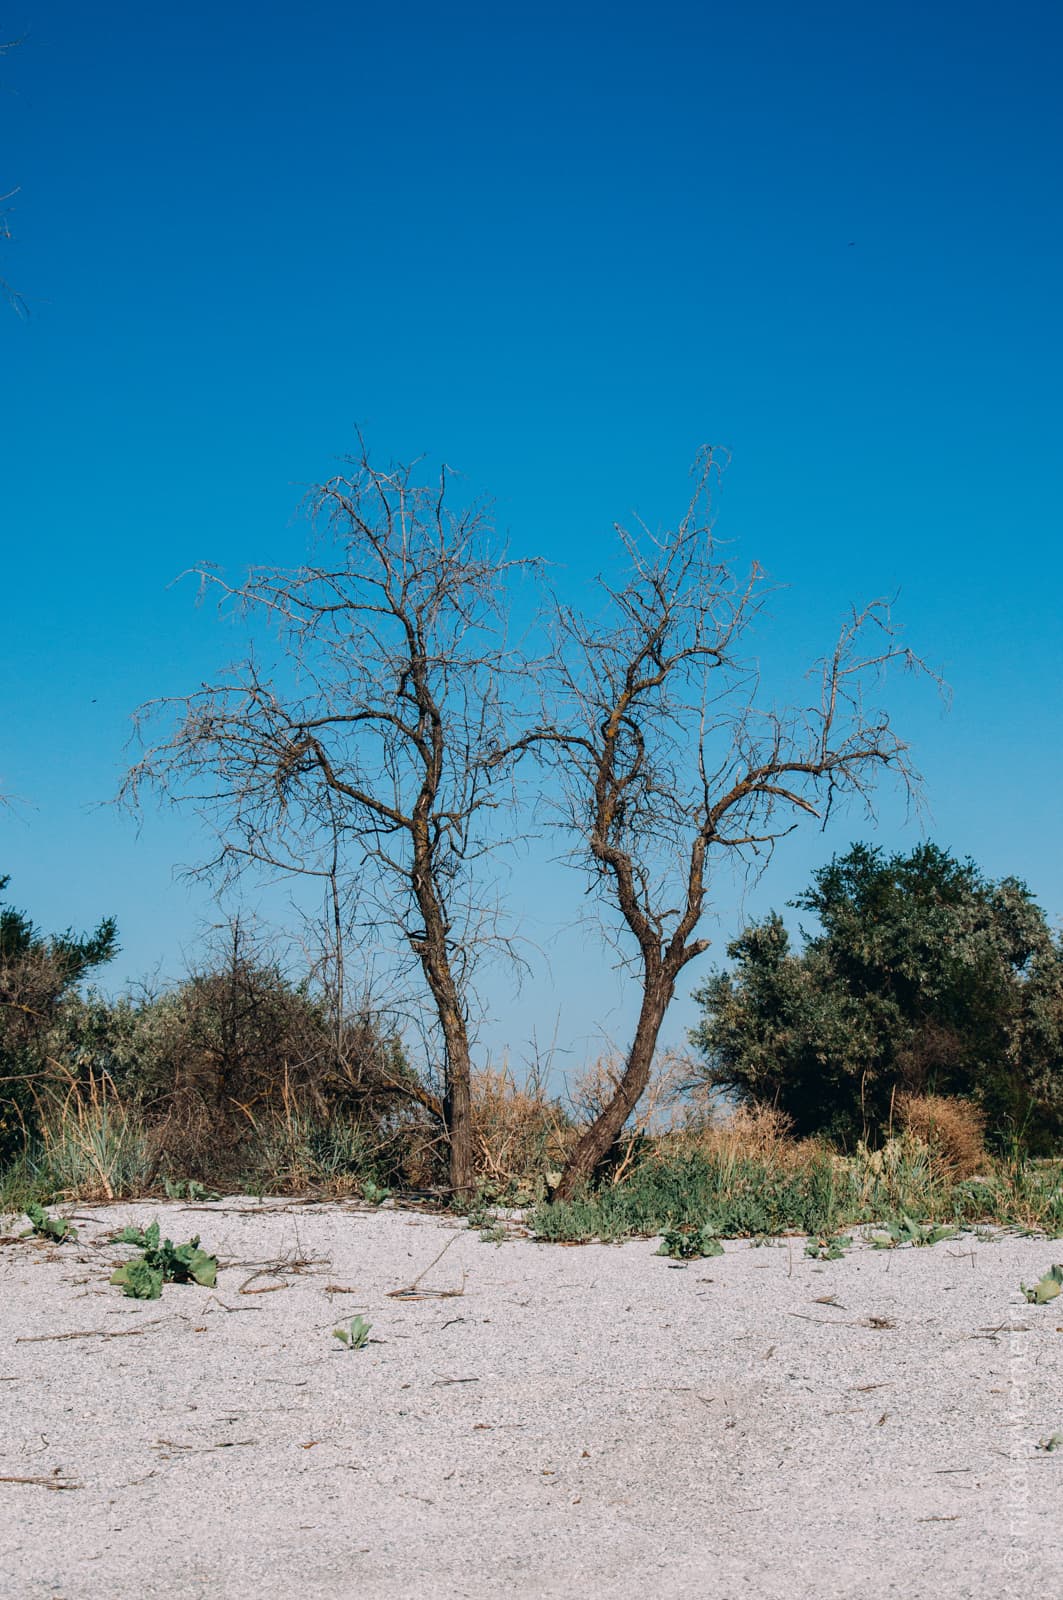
x=58, y=1229
x=908, y=1231
x=188, y=1189
x=687, y=1242
x=356, y=1335
x=829, y=1246
x=373, y=1194
x=1046, y=1288
x=161, y=1261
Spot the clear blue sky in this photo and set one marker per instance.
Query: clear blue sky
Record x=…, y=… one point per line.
x=559, y=246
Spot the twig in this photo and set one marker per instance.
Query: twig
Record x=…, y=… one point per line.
x=44, y=1483
x=91, y=1333
x=411, y=1292
x=203, y=1449
x=432, y=1263
x=214, y=1301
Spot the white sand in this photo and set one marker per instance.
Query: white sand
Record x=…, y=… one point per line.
x=584, y=1421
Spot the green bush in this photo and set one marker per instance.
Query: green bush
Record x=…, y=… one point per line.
x=925, y=978
x=37, y=972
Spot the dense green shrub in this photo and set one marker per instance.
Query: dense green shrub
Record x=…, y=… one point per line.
x=925, y=978
x=37, y=973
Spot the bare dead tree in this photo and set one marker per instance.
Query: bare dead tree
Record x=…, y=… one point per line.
x=371, y=756
x=669, y=761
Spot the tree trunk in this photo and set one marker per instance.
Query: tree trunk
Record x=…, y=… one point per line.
x=457, y=1116
x=457, y=1067
x=457, y=1072
x=597, y=1140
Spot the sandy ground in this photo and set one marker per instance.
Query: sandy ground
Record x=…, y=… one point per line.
x=540, y=1421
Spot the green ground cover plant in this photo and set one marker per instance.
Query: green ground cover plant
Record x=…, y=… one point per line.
x=736, y=1198
x=161, y=1261
x=58, y=1229
x=188, y=1189
x=905, y=1230
x=811, y=1191
x=829, y=1247
x=689, y=1243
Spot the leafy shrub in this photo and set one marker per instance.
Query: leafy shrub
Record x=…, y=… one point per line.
x=36, y=973
x=926, y=979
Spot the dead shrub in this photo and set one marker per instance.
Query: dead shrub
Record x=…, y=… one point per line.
x=953, y=1128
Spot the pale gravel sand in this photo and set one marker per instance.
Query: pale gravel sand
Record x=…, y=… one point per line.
x=626, y=1429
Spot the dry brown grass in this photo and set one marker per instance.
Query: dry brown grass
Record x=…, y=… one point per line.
x=661, y=1113
x=758, y=1133
x=519, y=1131
x=953, y=1128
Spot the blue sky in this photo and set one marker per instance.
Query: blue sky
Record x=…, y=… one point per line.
x=561, y=247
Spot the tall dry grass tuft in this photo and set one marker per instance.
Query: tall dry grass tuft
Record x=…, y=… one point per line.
x=954, y=1129
x=519, y=1132
x=760, y=1133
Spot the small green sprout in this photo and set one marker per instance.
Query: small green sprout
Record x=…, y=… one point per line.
x=356, y=1335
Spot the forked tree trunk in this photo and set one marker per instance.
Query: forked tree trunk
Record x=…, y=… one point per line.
x=597, y=1140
